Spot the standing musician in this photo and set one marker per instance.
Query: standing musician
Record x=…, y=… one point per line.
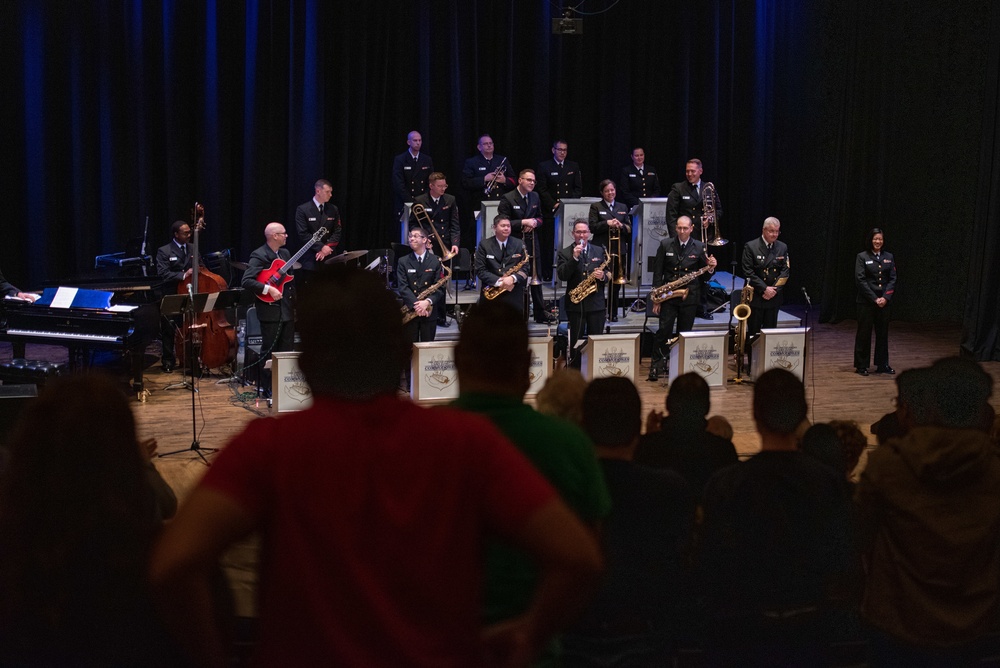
x=638, y=180
x=416, y=272
x=607, y=215
x=443, y=212
x=575, y=263
x=309, y=217
x=685, y=199
x=875, y=276
x=558, y=178
x=523, y=207
x=173, y=265
x=765, y=266
x=277, y=322
x=411, y=171
x=484, y=168
x=494, y=257
x=675, y=257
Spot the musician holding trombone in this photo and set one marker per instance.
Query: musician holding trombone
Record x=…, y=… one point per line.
x=612, y=228
x=676, y=257
x=416, y=272
x=523, y=208
x=583, y=263
x=687, y=198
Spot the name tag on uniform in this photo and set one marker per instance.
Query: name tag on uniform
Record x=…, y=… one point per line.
x=173, y=259
x=482, y=169
x=517, y=206
x=670, y=254
x=411, y=271
x=685, y=196
x=407, y=168
x=632, y=176
x=869, y=261
x=312, y=220
x=490, y=257
x=553, y=173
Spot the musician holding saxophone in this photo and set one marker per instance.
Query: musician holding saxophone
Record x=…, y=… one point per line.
x=500, y=266
x=676, y=258
x=765, y=266
x=583, y=267
x=414, y=274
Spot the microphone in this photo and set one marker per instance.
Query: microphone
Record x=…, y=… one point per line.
x=806, y=295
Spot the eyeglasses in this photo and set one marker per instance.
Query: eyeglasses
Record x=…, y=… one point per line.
x=281, y=234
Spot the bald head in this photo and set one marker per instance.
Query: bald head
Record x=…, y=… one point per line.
x=274, y=235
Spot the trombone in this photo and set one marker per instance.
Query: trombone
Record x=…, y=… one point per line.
x=615, y=244
x=419, y=212
x=710, y=236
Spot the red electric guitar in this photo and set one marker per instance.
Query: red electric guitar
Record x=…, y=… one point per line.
x=277, y=273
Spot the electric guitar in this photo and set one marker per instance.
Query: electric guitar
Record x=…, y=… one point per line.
x=277, y=273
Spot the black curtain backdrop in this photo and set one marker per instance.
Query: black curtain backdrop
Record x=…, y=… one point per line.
x=834, y=116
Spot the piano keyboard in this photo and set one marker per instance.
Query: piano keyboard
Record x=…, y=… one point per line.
x=75, y=336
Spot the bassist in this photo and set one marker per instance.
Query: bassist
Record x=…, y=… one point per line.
x=277, y=324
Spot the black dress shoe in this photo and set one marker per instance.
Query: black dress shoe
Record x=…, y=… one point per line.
x=653, y=376
x=614, y=318
x=168, y=367
x=706, y=315
x=861, y=371
x=443, y=322
x=885, y=369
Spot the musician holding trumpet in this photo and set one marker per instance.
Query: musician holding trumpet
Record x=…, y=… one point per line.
x=583, y=267
x=676, y=259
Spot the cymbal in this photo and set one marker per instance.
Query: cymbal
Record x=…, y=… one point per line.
x=296, y=266
x=242, y=266
x=347, y=256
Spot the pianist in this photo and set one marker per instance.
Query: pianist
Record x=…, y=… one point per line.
x=8, y=290
x=173, y=265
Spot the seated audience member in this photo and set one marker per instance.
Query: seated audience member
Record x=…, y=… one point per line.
x=646, y=539
x=562, y=395
x=775, y=540
x=372, y=533
x=889, y=426
x=78, y=516
x=493, y=364
x=682, y=442
x=838, y=443
x=930, y=521
x=719, y=425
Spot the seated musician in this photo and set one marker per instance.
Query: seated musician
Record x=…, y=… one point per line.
x=496, y=257
x=415, y=273
x=277, y=319
x=8, y=290
x=173, y=265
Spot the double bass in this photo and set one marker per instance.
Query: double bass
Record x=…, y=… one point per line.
x=213, y=337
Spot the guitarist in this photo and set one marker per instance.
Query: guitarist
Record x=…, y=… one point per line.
x=277, y=321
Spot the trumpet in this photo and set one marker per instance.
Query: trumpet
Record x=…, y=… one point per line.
x=419, y=212
x=710, y=236
x=498, y=174
x=534, y=253
x=615, y=243
x=494, y=291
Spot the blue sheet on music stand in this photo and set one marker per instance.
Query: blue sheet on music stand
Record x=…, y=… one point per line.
x=98, y=299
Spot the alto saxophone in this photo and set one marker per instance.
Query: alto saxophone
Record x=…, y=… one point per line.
x=588, y=285
x=408, y=313
x=670, y=291
x=494, y=291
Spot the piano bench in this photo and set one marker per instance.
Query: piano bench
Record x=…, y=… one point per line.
x=20, y=370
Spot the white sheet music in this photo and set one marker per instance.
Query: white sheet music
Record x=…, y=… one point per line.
x=64, y=298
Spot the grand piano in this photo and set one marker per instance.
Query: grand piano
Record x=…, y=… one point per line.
x=95, y=318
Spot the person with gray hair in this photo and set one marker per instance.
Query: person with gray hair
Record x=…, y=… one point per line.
x=765, y=267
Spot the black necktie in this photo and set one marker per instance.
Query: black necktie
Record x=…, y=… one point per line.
x=683, y=246
x=769, y=248
x=321, y=209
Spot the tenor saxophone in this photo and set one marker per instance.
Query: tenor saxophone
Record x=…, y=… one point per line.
x=494, y=291
x=588, y=285
x=408, y=313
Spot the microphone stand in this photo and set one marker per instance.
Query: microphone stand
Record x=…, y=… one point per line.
x=189, y=346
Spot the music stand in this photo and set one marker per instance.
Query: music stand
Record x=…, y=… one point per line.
x=190, y=305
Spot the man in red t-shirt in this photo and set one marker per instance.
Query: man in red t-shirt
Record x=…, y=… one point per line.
x=372, y=525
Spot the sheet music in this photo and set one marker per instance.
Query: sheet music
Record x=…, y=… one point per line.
x=64, y=298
